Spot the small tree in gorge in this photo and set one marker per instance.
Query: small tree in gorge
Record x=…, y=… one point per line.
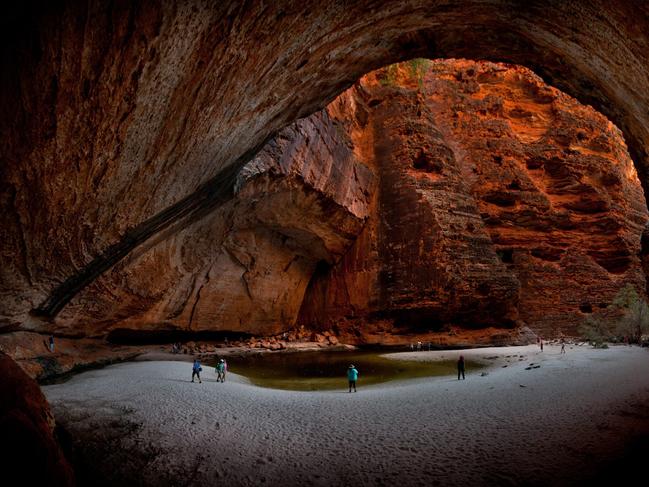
x=635, y=319
x=595, y=331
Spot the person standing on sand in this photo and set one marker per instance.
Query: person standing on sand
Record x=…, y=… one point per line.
x=196, y=370
x=460, y=367
x=541, y=343
x=563, y=346
x=352, y=377
x=220, y=371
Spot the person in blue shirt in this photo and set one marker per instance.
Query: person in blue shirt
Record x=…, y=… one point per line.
x=196, y=370
x=352, y=376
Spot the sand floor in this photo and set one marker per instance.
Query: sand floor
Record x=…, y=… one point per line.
x=578, y=416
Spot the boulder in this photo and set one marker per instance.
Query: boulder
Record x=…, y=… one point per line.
x=28, y=446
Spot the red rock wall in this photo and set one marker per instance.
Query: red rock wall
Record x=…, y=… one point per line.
x=424, y=259
x=500, y=198
x=116, y=118
x=473, y=195
x=555, y=186
x=244, y=267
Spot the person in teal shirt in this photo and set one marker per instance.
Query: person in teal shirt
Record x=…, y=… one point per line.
x=352, y=376
x=220, y=371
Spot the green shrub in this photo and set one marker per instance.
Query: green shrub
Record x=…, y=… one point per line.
x=418, y=68
x=635, y=314
x=390, y=75
x=595, y=331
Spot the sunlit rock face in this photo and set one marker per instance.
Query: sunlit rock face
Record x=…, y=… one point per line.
x=500, y=198
x=425, y=258
x=555, y=185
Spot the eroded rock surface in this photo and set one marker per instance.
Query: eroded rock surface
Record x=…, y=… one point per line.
x=500, y=198
x=243, y=268
x=554, y=184
x=455, y=194
x=116, y=119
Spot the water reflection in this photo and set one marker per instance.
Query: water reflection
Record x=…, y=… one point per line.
x=311, y=371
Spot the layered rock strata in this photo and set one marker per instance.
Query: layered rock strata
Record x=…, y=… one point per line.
x=430, y=196
x=116, y=120
x=424, y=259
x=554, y=184
x=500, y=198
x=245, y=266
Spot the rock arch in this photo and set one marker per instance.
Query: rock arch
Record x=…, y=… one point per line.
x=117, y=120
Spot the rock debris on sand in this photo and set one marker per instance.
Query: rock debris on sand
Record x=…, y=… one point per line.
x=563, y=423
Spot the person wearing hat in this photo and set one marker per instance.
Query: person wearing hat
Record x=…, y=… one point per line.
x=352, y=376
x=220, y=371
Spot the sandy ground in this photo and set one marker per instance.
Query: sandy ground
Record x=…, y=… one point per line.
x=578, y=417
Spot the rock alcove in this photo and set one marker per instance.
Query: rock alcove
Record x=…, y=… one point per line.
x=155, y=178
x=125, y=130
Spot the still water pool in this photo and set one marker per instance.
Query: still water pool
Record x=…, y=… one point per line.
x=314, y=371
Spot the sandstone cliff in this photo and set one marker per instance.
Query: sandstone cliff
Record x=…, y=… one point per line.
x=500, y=198
x=452, y=194
x=555, y=186
x=243, y=267
x=115, y=120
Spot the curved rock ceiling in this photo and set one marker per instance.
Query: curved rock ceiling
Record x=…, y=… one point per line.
x=119, y=122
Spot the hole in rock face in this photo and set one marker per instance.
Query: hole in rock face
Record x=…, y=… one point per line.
x=425, y=162
x=322, y=267
x=534, y=162
x=586, y=308
x=484, y=289
x=550, y=254
x=501, y=198
x=514, y=185
x=506, y=255
x=616, y=260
